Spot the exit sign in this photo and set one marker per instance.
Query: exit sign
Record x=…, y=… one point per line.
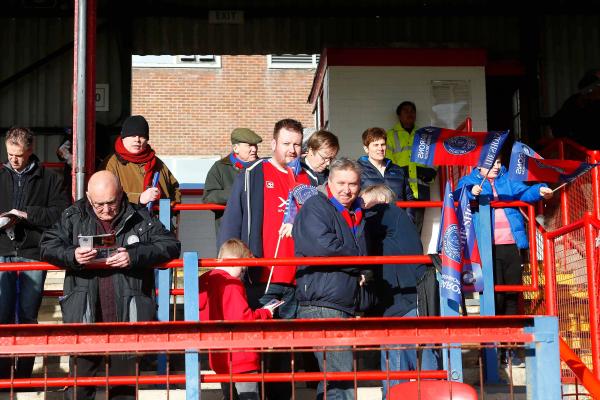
x=226, y=17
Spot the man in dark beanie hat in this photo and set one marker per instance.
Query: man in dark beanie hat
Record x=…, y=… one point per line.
x=144, y=177
x=221, y=175
x=136, y=125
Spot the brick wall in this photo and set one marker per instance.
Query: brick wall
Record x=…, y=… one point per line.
x=192, y=111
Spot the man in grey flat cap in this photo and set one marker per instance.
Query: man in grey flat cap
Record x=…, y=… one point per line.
x=221, y=175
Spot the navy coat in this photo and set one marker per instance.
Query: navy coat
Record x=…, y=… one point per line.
x=320, y=230
x=393, y=177
x=390, y=232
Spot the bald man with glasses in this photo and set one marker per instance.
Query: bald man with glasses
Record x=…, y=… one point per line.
x=122, y=291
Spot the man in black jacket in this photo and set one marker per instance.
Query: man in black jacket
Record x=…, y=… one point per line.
x=124, y=291
x=31, y=200
x=330, y=224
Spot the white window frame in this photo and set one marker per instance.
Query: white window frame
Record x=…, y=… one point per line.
x=176, y=61
x=291, y=65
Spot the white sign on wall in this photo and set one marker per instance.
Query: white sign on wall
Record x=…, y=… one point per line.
x=102, y=97
x=450, y=102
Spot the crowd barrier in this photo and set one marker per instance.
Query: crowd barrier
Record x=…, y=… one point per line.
x=536, y=336
x=569, y=291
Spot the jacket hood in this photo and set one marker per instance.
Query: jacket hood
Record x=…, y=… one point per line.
x=33, y=163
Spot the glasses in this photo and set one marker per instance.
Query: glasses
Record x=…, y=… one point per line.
x=325, y=159
x=110, y=204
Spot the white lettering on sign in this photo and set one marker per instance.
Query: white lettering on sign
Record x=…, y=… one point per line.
x=226, y=17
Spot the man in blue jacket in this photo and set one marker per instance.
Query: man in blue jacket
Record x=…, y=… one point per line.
x=331, y=224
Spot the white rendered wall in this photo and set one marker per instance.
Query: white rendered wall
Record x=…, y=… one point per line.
x=190, y=169
x=364, y=97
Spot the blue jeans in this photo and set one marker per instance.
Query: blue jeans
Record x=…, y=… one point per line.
x=331, y=361
x=20, y=295
x=406, y=359
x=20, y=300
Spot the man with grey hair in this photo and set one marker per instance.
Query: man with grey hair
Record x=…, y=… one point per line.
x=32, y=198
x=123, y=291
x=220, y=177
x=390, y=232
x=331, y=224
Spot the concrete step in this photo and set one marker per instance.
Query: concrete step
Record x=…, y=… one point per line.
x=370, y=393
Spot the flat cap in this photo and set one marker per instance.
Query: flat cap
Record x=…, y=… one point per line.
x=244, y=135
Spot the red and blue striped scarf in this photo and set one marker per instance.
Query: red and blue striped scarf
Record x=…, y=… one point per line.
x=239, y=164
x=353, y=223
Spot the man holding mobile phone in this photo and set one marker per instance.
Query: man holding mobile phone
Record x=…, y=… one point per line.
x=124, y=292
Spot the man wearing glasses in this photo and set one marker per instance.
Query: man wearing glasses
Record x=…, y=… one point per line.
x=323, y=147
x=122, y=291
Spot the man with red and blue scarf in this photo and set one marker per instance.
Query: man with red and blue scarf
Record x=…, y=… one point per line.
x=220, y=177
x=331, y=224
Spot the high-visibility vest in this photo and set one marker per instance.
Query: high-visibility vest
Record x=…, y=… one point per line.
x=399, y=147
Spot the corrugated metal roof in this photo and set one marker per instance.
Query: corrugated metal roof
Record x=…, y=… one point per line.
x=39, y=98
x=267, y=35
x=42, y=98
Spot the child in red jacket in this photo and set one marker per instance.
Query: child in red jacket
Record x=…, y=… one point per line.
x=223, y=298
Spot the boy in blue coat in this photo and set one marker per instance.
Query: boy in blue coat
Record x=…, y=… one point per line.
x=509, y=233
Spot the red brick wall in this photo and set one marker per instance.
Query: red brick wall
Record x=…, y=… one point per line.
x=192, y=111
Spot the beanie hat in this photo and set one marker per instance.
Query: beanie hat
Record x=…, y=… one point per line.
x=136, y=125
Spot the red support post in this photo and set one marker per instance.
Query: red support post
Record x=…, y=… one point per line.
x=593, y=292
x=533, y=259
x=550, y=277
x=595, y=158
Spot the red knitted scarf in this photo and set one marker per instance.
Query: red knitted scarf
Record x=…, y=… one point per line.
x=146, y=157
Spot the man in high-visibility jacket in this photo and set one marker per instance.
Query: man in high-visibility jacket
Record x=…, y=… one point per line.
x=399, y=148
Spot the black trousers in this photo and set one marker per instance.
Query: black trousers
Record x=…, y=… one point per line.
x=96, y=366
x=508, y=270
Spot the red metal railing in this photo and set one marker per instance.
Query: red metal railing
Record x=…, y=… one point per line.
x=274, y=335
x=572, y=287
x=579, y=369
